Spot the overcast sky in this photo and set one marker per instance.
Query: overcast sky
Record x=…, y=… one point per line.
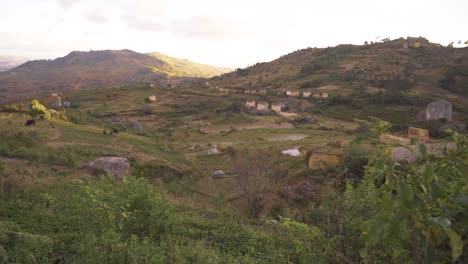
x=231, y=33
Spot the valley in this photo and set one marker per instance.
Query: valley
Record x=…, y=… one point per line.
x=291, y=161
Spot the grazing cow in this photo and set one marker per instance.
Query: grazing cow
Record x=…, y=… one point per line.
x=30, y=122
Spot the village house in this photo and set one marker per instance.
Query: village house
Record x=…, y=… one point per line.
x=152, y=98
x=262, y=106
x=277, y=107
x=250, y=103
x=306, y=94
x=324, y=95
x=295, y=93
x=54, y=94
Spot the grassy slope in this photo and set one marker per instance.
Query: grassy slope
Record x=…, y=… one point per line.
x=183, y=67
x=355, y=71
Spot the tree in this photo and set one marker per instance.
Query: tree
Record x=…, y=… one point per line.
x=38, y=109
x=366, y=43
x=257, y=173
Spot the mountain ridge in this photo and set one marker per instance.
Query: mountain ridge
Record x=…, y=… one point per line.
x=90, y=70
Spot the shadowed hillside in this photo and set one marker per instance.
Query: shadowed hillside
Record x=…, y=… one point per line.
x=402, y=64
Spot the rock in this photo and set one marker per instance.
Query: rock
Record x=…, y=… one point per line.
x=54, y=113
x=421, y=116
x=135, y=125
x=422, y=135
x=218, y=174
x=461, y=128
x=412, y=153
x=443, y=129
x=57, y=103
x=116, y=166
x=439, y=109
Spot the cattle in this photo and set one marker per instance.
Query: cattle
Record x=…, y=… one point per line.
x=30, y=122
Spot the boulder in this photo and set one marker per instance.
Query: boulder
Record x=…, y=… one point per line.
x=135, y=125
x=57, y=103
x=441, y=109
x=218, y=174
x=421, y=116
x=461, y=128
x=443, y=129
x=116, y=166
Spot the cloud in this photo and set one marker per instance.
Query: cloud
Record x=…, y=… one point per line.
x=95, y=16
x=66, y=4
x=143, y=23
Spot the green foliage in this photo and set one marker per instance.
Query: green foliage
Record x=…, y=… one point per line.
x=455, y=80
x=38, y=109
x=419, y=208
x=20, y=247
x=104, y=221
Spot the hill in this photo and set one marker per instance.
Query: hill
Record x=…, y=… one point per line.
x=393, y=74
x=8, y=62
x=183, y=67
x=94, y=69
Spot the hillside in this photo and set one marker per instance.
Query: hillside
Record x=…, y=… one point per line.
x=8, y=62
x=94, y=69
x=183, y=67
x=388, y=77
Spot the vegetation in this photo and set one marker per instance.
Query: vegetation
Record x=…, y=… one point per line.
x=394, y=213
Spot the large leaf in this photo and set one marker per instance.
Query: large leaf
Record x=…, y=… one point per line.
x=456, y=244
x=406, y=194
x=427, y=173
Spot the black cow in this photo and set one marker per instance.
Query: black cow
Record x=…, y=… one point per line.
x=30, y=122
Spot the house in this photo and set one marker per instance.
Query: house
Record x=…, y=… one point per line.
x=262, y=106
x=152, y=98
x=324, y=95
x=277, y=107
x=250, y=103
x=306, y=94
x=292, y=93
x=54, y=94
x=422, y=135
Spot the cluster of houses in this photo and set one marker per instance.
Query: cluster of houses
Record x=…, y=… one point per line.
x=293, y=93
x=306, y=94
x=265, y=106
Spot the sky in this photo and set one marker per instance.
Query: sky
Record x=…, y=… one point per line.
x=233, y=33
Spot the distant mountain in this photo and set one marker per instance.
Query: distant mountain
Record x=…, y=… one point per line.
x=183, y=67
x=7, y=62
x=94, y=69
